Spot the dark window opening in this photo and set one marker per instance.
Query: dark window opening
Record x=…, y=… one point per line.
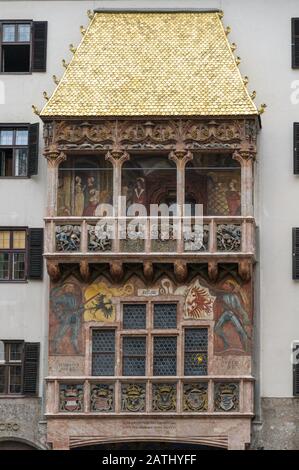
x=23, y=46
x=15, y=58
x=6, y=162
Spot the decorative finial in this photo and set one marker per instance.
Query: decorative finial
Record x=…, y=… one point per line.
x=253, y=95
x=233, y=46
x=227, y=30
x=55, y=80
x=238, y=60
x=35, y=110
x=72, y=48
x=245, y=80
x=45, y=95
x=262, y=108
x=64, y=64
x=82, y=30
x=90, y=14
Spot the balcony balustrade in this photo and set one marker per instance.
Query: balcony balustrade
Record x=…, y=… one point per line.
x=205, y=395
x=108, y=237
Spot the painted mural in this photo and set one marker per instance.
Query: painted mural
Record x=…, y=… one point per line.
x=226, y=303
x=83, y=184
x=215, y=181
x=149, y=180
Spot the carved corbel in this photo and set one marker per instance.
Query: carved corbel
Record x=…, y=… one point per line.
x=54, y=156
x=117, y=156
x=244, y=154
x=85, y=271
x=213, y=270
x=148, y=270
x=180, y=271
x=245, y=270
x=53, y=269
x=180, y=156
x=116, y=271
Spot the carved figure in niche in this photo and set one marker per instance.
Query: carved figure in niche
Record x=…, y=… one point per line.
x=233, y=198
x=139, y=192
x=79, y=196
x=67, y=307
x=231, y=311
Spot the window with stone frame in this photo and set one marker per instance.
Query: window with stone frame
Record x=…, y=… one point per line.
x=150, y=338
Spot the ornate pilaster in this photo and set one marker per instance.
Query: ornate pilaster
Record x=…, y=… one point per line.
x=54, y=159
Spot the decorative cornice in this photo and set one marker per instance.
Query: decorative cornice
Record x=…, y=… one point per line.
x=178, y=135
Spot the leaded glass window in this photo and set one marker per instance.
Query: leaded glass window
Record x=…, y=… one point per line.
x=134, y=354
x=103, y=352
x=165, y=350
x=134, y=316
x=196, y=351
x=165, y=316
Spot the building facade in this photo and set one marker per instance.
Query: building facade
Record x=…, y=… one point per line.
x=138, y=331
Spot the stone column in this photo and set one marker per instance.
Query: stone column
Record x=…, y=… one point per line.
x=54, y=158
x=246, y=161
x=180, y=157
x=117, y=158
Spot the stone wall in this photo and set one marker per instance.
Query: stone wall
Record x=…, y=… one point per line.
x=21, y=420
x=279, y=427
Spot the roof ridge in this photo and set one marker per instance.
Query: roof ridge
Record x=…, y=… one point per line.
x=156, y=10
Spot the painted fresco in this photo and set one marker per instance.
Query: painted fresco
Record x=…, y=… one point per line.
x=66, y=316
x=83, y=184
x=149, y=180
x=227, y=304
x=214, y=181
x=98, y=305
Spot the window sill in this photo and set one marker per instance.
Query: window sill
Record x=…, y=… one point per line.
x=15, y=395
x=11, y=281
x=14, y=177
x=15, y=73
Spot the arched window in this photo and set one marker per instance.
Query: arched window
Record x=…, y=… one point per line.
x=84, y=182
x=214, y=180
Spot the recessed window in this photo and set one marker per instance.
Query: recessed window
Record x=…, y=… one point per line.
x=13, y=255
x=16, y=47
x=23, y=46
x=150, y=352
x=19, y=364
x=18, y=150
x=11, y=368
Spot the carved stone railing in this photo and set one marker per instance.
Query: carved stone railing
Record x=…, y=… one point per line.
x=74, y=236
x=215, y=395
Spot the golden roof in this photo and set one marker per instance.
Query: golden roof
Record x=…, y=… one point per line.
x=152, y=64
